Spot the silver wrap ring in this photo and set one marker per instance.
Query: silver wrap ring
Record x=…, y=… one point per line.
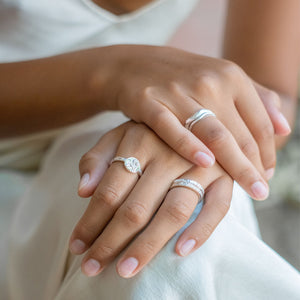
x=131, y=164
x=189, y=184
x=196, y=117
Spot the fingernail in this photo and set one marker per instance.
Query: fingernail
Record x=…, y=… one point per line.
x=127, y=267
x=187, y=247
x=84, y=180
x=259, y=190
x=269, y=173
x=77, y=247
x=204, y=159
x=284, y=123
x=91, y=267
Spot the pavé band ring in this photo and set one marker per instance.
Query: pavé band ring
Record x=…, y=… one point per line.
x=199, y=115
x=131, y=164
x=189, y=184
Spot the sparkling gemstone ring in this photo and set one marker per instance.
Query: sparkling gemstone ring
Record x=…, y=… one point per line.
x=189, y=184
x=199, y=115
x=131, y=164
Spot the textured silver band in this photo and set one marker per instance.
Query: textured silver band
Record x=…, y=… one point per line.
x=199, y=115
x=131, y=164
x=189, y=184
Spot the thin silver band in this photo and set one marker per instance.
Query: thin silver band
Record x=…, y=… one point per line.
x=131, y=164
x=189, y=184
x=199, y=115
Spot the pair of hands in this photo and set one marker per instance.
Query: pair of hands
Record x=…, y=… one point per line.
x=162, y=87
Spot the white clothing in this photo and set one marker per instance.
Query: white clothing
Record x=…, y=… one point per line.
x=233, y=264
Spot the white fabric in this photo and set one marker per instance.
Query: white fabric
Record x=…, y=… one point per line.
x=233, y=264
x=31, y=29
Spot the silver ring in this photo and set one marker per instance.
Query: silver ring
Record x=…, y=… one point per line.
x=189, y=184
x=131, y=164
x=199, y=115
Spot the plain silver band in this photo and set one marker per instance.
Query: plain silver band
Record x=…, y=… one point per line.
x=123, y=159
x=189, y=184
x=199, y=115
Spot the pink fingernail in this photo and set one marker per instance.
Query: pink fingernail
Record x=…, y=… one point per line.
x=259, y=190
x=77, y=247
x=84, y=181
x=284, y=123
x=91, y=267
x=187, y=247
x=269, y=173
x=127, y=267
x=204, y=159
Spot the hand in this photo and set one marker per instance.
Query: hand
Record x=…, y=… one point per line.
x=122, y=204
x=162, y=87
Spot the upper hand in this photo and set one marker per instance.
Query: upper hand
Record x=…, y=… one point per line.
x=163, y=87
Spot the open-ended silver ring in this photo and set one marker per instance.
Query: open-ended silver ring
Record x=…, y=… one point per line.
x=199, y=115
x=131, y=164
x=189, y=184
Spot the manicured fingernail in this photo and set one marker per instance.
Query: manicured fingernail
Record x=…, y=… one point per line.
x=259, y=190
x=204, y=159
x=187, y=247
x=127, y=267
x=91, y=267
x=77, y=247
x=269, y=173
x=84, y=180
x=284, y=123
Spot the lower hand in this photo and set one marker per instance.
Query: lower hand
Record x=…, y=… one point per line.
x=122, y=204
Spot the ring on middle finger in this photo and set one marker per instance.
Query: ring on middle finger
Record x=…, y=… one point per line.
x=196, y=117
x=131, y=164
x=189, y=184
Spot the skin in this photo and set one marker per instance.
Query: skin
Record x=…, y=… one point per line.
x=128, y=199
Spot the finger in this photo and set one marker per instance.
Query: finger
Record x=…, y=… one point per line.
x=228, y=153
x=114, y=187
x=271, y=101
x=216, y=205
x=168, y=127
x=174, y=212
x=243, y=137
x=95, y=162
x=255, y=116
x=130, y=218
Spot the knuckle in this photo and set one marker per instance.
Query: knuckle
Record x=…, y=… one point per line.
x=100, y=250
x=231, y=70
x=178, y=213
x=249, y=148
x=84, y=230
x=181, y=143
x=244, y=174
x=216, y=137
x=148, y=248
x=107, y=195
x=206, y=230
x=87, y=157
x=160, y=118
x=223, y=207
x=135, y=213
x=271, y=96
x=208, y=84
x=266, y=132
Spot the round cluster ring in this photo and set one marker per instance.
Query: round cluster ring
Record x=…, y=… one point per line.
x=196, y=117
x=189, y=184
x=131, y=164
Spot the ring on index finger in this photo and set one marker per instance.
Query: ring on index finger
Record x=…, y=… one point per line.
x=131, y=164
x=196, y=117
